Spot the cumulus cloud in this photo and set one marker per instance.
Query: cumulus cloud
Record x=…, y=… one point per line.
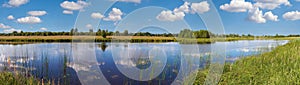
x=10, y=17
x=183, y=8
x=134, y=1
x=11, y=30
x=114, y=15
x=237, y=6
x=97, y=15
x=88, y=26
x=37, y=13
x=67, y=12
x=271, y=4
x=71, y=6
x=15, y=3
x=201, y=7
x=256, y=15
x=3, y=26
x=293, y=15
x=270, y=16
x=43, y=29
x=29, y=20
x=170, y=16
x=179, y=13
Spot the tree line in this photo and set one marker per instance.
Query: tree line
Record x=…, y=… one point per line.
x=185, y=33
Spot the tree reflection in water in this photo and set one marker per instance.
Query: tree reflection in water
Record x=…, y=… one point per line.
x=103, y=46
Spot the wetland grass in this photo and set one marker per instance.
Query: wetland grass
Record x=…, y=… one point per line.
x=280, y=66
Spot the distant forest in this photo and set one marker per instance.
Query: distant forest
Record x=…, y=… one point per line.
x=186, y=33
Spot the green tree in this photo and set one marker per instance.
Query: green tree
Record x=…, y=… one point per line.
x=103, y=33
x=117, y=33
x=126, y=33
x=186, y=33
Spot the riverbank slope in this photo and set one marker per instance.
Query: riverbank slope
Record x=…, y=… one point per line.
x=280, y=66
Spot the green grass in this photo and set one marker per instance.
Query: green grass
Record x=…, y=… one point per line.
x=281, y=66
x=8, y=78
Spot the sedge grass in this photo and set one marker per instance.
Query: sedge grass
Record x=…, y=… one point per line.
x=278, y=67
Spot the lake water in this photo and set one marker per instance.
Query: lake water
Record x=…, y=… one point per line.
x=118, y=63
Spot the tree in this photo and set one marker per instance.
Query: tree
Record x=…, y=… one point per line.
x=91, y=30
x=186, y=33
x=15, y=32
x=98, y=32
x=117, y=33
x=103, y=33
x=202, y=34
x=125, y=32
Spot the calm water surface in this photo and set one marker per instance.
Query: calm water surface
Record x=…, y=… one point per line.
x=54, y=61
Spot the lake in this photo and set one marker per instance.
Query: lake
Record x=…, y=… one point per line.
x=118, y=63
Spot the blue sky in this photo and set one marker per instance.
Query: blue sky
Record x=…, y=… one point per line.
x=47, y=15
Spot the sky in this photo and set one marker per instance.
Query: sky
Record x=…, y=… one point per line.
x=258, y=17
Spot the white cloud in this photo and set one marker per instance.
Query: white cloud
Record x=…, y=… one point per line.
x=67, y=12
x=170, y=16
x=10, y=17
x=297, y=0
x=271, y=4
x=201, y=7
x=29, y=20
x=179, y=13
x=183, y=8
x=43, y=29
x=237, y=6
x=70, y=5
x=15, y=3
x=114, y=15
x=270, y=16
x=293, y=15
x=88, y=26
x=134, y=1
x=4, y=26
x=12, y=30
x=256, y=15
x=37, y=13
x=97, y=15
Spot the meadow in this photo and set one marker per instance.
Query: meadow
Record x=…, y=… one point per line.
x=278, y=67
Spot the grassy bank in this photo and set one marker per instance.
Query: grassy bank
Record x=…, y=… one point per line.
x=8, y=78
x=38, y=39
x=279, y=67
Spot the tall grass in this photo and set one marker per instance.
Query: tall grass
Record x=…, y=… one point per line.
x=280, y=66
x=8, y=78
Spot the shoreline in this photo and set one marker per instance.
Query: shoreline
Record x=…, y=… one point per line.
x=132, y=39
x=260, y=69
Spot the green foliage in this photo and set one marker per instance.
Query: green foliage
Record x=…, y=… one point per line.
x=279, y=67
x=7, y=78
x=202, y=34
x=126, y=33
x=117, y=33
x=103, y=33
x=186, y=33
